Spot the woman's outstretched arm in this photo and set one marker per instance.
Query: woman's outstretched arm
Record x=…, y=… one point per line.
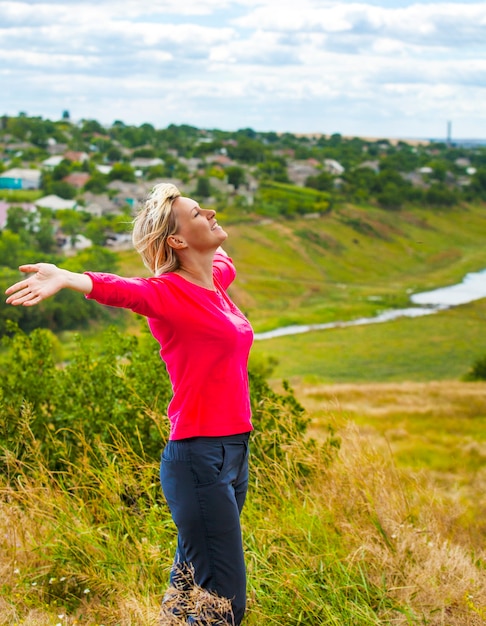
x=44, y=281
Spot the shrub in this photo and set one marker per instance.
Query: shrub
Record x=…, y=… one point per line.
x=119, y=387
x=478, y=370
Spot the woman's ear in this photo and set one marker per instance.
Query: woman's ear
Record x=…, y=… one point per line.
x=176, y=242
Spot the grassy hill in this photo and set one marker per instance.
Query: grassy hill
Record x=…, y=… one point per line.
x=356, y=262
x=328, y=268
x=379, y=519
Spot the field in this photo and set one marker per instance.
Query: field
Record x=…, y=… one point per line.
x=351, y=263
x=375, y=515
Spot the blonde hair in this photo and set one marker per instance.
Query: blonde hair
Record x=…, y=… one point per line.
x=153, y=225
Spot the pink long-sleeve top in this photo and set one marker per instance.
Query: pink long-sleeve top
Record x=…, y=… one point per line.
x=204, y=341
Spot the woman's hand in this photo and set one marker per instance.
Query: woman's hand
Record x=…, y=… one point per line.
x=45, y=280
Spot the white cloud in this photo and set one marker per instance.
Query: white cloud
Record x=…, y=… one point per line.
x=314, y=65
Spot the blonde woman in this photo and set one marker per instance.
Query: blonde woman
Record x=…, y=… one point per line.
x=204, y=341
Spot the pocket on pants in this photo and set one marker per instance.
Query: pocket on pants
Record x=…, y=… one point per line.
x=203, y=458
x=207, y=461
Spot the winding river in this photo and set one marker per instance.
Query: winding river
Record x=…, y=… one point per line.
x=473, y=287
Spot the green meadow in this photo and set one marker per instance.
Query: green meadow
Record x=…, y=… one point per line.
x=352, y=262
x=366, y=504
x=358, y=262
x=440, y=346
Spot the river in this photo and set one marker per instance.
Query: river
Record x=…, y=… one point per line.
x=472, y=287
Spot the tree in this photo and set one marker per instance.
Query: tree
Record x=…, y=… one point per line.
x=114, y=154
x=440, y=195
x=43, y=232
x=124, y=172
x=97, y=183
x=16, y=219
x=439, y=170
x=273, y=169
x=478, y=370
x=71, y=223
x=145, y=153
x=91, y=126
x=478, y=182
x=247, y=151
x=63, y=189
x=62, y=170
x=236, y=175
x=203, y=188
x=156, y=171
x=322, y=182
x=13, y=249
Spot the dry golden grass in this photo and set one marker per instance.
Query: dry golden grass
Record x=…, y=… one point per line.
x=415, y=533
x=416, y=527
x=440, y=399
x=399, y=523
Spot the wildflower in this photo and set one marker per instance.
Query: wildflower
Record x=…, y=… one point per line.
x=16, y=570
x=52, y=580
x=86, y=591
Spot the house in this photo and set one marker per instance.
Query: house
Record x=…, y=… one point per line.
x=333, y=167
x=77, y=179
x=129, y=193
x=99, y=204
x=415, y=178
x=371, y=165
x=119, y=241
x=193, y=164
x=17, y=148
x=220, y=159
x=56, y=148
x=299, y=171
x=144, y=163
x=55, y=203
x=71, y=155
x=72, y=244
x=4, y=207
x=104, y=169
x=18, y=178
x=462, y=162
x=52, y=162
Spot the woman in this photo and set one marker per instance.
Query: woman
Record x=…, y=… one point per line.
x=204, y=341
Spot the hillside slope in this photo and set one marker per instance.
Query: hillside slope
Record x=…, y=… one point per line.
x=350, y=262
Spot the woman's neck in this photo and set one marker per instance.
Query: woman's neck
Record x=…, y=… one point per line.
x=199, y=273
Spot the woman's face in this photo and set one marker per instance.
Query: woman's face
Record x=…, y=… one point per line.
x=197, y=227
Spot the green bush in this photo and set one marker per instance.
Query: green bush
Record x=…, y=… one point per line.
x=275, y=198
x=478, y=370
x=120, y=387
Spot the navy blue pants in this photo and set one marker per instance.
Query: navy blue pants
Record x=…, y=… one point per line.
x=205, y=480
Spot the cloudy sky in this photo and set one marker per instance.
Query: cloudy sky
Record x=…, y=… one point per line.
x=369, y=68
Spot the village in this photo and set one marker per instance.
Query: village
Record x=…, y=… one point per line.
x=106, y=172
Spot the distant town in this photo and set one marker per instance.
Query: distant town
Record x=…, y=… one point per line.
x=86, y=179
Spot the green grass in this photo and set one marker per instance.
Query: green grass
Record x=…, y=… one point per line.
x=287, y=276
x=330, y=269
x=318, y=270
x=20, y=195
x=345, y=540
x=436, y=347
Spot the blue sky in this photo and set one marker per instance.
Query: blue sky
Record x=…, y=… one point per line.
x=366, y=68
